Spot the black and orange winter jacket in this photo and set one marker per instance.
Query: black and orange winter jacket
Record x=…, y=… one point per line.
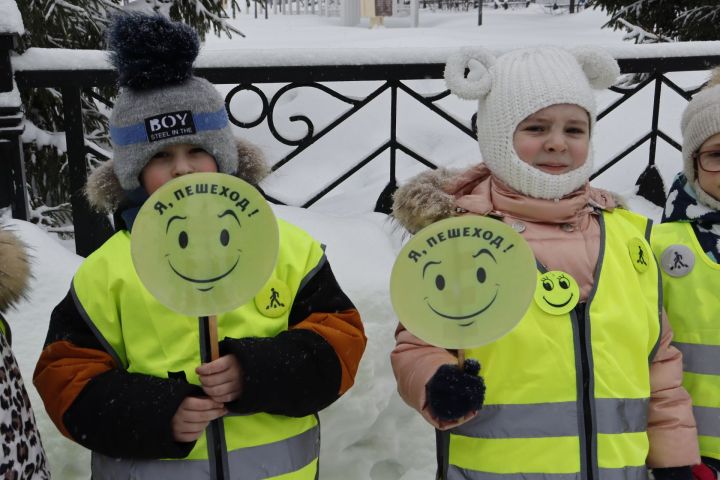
x=94, y=401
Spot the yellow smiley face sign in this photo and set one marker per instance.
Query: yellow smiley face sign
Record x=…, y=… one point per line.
x=463, y=282
x=204, y=243
x=557, y=292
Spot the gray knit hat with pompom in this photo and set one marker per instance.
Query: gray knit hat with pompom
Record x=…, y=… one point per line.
x=161, y=103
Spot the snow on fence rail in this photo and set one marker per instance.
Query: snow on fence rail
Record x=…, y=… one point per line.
x=382, y=84
x=64, y=60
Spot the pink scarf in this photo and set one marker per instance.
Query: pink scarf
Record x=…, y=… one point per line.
x=478, y=191
x=545, y=222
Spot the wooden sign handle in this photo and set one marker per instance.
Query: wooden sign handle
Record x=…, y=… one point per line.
x=461, y=357
x=213, y=331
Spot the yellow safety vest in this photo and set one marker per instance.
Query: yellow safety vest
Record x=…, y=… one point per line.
x=4, y=327
x=567, y=397
x=145, y=337
x=693, y=305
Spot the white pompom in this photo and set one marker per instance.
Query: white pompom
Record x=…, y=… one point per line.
x=599, y=66
x=478, y=82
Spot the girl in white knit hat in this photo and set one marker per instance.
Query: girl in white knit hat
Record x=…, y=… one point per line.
x=589, y=392
x=687, y=246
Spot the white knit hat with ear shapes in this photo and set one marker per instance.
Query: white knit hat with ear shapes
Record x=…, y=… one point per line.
x=518, y=84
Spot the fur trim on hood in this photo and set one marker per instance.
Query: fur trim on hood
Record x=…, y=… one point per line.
x=104, y=192
x=423, y=200
x=714, y=78
x=14, y=269
x=426, y=198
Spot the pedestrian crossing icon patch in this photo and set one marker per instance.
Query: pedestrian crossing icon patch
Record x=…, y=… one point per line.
x=274, y=298
x=677, y=260
x=639, y=254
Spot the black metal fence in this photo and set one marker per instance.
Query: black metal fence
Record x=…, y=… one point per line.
x=12, y=168
x=91, y=229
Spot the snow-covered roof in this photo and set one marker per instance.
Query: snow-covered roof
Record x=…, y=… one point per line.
x=62, y=59
x=10, y=19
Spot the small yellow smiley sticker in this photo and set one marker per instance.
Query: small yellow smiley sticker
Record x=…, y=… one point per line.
x=557, y=292
x=204, y=243
x=463, y=282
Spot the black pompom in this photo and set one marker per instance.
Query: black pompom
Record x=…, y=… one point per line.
x=452, y=393
x=471, y=366
x=150, y=50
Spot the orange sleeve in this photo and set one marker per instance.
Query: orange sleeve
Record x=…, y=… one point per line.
x=344, y=332
x=62, y=372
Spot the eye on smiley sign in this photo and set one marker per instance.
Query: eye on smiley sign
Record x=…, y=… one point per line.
x=204, y=243
x=463, y=282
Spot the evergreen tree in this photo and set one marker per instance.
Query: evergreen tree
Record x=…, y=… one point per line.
x=80, y=24
x=699, y=22
x=667, y=20
x=653, y=21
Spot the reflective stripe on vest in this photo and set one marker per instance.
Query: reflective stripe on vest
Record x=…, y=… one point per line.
x=692, y=303
x=107, y=290
x=628, y=473
x=615, y=415
x=253, y=463
x=532, y=425
x=703, y=359
x=708, y=420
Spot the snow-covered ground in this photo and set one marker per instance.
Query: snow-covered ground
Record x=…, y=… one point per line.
x=501, y=28
x=369, y=433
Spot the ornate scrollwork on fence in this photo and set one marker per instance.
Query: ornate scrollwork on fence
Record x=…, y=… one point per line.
x=390, y=78
x=269, y=107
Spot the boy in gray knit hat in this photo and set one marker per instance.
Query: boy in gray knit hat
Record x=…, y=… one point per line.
x=120, y=373
x=687, y=245
x=164, y=116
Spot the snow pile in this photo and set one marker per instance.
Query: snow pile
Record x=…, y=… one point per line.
x=10, y=99
x=10, y=19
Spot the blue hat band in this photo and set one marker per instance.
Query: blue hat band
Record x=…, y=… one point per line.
x=169, y=125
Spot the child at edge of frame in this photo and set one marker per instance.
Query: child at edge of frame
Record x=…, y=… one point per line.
x=23, y=455
x=269, y=382
x=593, y=393
x=687, y=246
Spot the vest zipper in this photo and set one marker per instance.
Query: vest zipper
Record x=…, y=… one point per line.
x=584, y=390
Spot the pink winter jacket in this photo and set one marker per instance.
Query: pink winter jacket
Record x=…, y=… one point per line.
x=564, y=235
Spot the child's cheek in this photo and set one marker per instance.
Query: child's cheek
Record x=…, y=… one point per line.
x=524, y=148
x=710, y=183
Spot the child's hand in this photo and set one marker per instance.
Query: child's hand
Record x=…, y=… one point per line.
x=446, y=424
x=221, y=379
x=192, y=418
x=455, y=393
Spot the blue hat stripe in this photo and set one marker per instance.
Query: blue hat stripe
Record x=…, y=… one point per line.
x=123, y=136
x=211, y=121
x=136, y=133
